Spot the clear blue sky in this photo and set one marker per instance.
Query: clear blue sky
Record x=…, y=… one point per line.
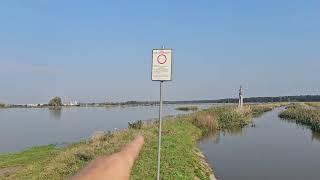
x=98, y=50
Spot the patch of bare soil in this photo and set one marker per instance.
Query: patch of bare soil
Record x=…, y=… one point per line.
x=7, y=171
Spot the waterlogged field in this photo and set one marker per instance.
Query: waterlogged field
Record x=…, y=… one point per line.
x=182, y=159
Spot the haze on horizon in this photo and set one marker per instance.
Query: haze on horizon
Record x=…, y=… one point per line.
x=98, y=51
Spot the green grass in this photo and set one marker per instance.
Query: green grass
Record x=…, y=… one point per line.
x=188, y=108
x=303, y=113
x=258, y=109
x=29, y=156
x=179, y=160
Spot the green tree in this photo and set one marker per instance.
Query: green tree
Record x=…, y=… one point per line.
x=56, y=101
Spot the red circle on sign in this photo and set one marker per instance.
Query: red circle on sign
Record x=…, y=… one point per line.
x=162, y=59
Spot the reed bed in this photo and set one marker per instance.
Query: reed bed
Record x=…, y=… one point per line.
x=303, y=113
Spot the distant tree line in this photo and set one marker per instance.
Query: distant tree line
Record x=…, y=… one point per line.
x=57, y=102
x=302, y=98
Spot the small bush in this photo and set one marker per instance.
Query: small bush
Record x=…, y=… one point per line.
x=233, y=118
x=135, y=125
x=56, y=101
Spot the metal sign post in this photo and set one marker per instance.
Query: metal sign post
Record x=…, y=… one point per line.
x=159, y=131
x=161, y=71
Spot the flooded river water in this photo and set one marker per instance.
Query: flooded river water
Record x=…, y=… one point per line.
x=21, y=128
x=271, y=148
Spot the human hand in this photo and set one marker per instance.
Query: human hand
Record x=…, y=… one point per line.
x=116, y=166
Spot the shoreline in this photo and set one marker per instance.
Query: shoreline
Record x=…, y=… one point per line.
x=180, y=136
x=128, y=105
x=13, y=106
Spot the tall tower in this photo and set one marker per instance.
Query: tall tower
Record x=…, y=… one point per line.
x=240, y=97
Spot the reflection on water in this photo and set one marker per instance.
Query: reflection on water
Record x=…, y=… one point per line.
x=215, y=136
x=269, y=149
x=234, y=132
x=316, y=136
x=55, y=113
x=212, y=136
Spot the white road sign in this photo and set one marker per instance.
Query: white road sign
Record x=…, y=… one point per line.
x=161, y=65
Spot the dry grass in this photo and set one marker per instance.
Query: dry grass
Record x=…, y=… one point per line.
x=304, y=114
x=205, y=120
x=315, y=105
x=229, y=116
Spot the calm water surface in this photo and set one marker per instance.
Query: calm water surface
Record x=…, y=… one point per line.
x=272, y=149
x=23, y=128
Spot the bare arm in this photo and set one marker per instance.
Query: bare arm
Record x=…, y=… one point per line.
x=116, y=167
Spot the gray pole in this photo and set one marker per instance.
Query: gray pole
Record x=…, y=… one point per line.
x=159, y=133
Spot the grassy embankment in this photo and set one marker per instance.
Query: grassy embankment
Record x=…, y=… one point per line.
x=187, y=108
x=180, y=158
x=304, y=113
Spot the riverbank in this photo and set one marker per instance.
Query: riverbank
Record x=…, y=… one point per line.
x=181, y=158
x=304, y=113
